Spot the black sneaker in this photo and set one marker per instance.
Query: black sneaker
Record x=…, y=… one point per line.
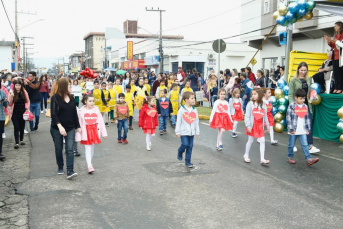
x=106, y=124
x=16, y=146
x=22, y=143
x=36, y=127
x=60, y=171
x=71, y=174
x=77, y=154
x=2, y=157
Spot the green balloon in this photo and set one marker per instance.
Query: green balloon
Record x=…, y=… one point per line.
x=286, y=97
x=294, y=20
x=340, y=127
x=282, y=109
x=282, y=101
x=310, y=5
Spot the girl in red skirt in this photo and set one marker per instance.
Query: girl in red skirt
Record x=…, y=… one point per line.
x=92, y=125
x=236, y=109
x=221, y=117
x=255, y=119
x=269, y=105
x=148, y=119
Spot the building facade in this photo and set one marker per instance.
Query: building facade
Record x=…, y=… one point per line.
x=6, y=55
x=94, y=50
x=308, y=36
x=77, y=62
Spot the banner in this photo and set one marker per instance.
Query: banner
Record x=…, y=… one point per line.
x=76, y=90
x=130, y=50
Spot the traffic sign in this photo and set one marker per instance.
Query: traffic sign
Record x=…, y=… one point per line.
x=253, y=61
x=216, y=45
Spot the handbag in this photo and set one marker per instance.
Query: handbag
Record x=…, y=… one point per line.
x=48, y=114
x=28, y=116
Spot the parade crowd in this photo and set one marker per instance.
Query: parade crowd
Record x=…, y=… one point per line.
x=238, y=95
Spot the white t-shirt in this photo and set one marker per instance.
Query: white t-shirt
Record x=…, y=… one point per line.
x=300, y=125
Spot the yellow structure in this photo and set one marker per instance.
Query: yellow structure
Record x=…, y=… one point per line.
x=313, y=60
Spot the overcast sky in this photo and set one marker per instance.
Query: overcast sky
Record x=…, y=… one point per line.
x=65, y=22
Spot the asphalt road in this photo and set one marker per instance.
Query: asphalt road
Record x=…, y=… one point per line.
x=135, y=188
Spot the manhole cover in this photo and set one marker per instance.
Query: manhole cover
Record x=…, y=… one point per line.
x=179, y=167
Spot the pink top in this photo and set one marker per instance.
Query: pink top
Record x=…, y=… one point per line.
x=82, y=112
x=44, y=87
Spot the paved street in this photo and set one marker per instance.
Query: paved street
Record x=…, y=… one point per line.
x=134, y=188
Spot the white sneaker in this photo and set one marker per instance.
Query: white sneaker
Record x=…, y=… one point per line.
x=3, y=135
x=148, y=148
x=41, y=112
x=25, y=131
x=314, y=150
x=295, y=149
x=275, y=142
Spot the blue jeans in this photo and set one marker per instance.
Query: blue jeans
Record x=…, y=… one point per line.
x=43, y=98
x=162, y=122
x=69, y=142
x=304, y=145
x=186, y=144
x=122, y=124
x=245, y=103
x=173, y=119
x=35, y=109
x=130, y=122
x=213, y=99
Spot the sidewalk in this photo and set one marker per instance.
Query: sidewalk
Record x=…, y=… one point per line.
x=14, y=170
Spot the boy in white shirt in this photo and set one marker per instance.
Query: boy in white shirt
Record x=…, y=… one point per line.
x=299, y=125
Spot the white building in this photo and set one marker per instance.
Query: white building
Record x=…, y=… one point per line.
x=6, y=55
x=177, y=52
x=308, y=36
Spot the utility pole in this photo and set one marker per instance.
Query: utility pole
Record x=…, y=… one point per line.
x=16, y=40
x=160, y=46
x=289, y=47
x=25, y=54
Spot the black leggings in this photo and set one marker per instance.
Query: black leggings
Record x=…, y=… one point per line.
x=338, y=75
x=19, y=126
x=2, y=126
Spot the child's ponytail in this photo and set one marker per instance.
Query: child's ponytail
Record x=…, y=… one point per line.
x=147, y=99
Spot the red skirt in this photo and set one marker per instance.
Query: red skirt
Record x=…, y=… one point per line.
x=149, y=131
x=257, y=129
x=221, y=120
x=92, y=135
x=270, y=118
x=238, y=116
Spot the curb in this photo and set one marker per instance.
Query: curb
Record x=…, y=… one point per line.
x=204, y=117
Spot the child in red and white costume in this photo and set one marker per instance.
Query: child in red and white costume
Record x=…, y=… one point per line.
x=255, y=120
x=269, y=105
x=221, y=117
x=236, y=109
x=92, y=126
x=148, y=119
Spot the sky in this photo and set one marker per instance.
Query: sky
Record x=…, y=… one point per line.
x=62, y=24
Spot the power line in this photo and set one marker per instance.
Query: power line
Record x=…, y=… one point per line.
x=8, y=17
x=210, y=17
x=225, y=38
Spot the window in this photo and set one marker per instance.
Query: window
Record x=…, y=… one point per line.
x=266, y=7
x=270, y=63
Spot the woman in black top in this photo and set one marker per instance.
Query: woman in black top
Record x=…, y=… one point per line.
x=19, y=102
x=64, y=123
x=260, y=80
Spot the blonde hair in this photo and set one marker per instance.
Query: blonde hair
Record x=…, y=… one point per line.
x=235, y=91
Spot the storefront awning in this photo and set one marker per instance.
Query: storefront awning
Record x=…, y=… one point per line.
x=330, y=6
